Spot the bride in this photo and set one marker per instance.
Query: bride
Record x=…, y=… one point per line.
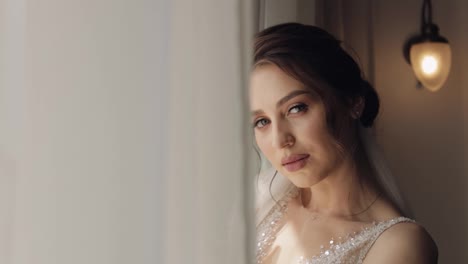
x=328, y=197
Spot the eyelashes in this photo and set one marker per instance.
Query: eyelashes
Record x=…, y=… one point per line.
x=295, y=109
x=299, y=108
x=261, y=121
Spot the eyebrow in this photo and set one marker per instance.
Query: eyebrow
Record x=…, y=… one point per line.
x=290, y=96
x=284, y=99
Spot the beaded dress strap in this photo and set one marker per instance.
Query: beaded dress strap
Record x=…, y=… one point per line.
x=379, y=229
x=355, y=247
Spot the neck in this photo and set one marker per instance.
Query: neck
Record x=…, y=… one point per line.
x=340, y=194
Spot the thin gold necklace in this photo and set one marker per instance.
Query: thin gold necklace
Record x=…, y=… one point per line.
x=316, y=215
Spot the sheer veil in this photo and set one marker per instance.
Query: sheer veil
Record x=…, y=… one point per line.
x=269, y=190
x=382, y=171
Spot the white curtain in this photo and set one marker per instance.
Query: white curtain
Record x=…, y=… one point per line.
x=122, y=132
x=211, y=41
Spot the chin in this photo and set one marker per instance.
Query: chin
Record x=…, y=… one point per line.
x=301, y=180
x=303, y=184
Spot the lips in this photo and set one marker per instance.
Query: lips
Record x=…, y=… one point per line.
x=293, y=158
x=295, y=162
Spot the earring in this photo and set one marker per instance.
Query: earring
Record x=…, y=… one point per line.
x=358, y=108
x=357, y=114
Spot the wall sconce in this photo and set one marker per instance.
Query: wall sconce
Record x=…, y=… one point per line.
x=429, y=53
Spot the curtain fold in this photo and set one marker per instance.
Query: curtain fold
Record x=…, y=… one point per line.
x=206, y=165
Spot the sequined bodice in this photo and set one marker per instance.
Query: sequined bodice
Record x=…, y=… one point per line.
x=350, y=249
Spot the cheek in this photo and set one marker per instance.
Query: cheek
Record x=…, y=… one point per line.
x=327, y=147
x=260, y=142
x=310, y=131
x=264, y=145
x=315, y=135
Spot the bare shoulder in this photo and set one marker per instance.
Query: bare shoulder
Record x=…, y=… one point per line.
x=404, y=242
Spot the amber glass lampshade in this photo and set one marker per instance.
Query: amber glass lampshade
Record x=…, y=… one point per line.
x=429, y=53
x=431, y=63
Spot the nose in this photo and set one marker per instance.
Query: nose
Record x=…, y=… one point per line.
x=282, y=136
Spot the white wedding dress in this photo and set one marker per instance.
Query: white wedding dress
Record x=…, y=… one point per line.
x=350, y=249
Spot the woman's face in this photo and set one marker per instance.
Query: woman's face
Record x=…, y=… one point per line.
x=290, y=127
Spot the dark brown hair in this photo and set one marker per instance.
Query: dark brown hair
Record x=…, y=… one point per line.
x=317, y=59
x=310, y=55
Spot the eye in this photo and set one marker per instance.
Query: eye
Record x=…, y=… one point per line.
x=297, y=108
x=261, y=123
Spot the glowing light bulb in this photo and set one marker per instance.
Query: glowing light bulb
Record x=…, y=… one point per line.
x=429, y=64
